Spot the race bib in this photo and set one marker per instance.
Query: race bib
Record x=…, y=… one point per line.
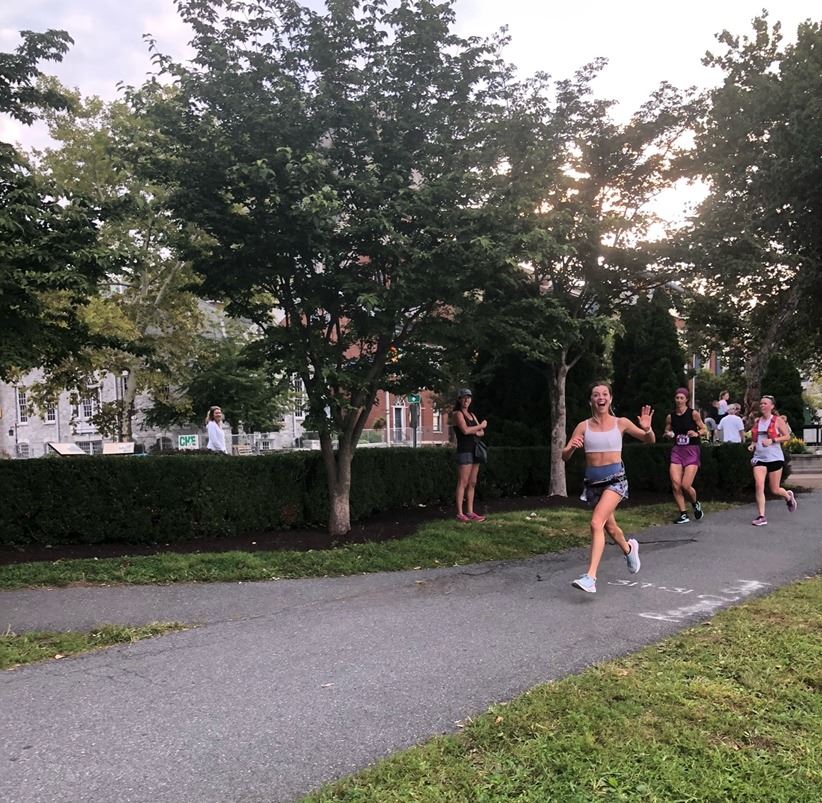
x=683, y=440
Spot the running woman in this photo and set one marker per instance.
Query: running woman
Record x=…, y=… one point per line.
x=769, y=431
x=684, y=425
x=605, y=482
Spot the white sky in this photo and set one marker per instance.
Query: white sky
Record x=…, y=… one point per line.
x=644, y=41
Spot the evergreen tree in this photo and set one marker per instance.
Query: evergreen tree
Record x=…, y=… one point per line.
x=782, y=381
x=648, y=360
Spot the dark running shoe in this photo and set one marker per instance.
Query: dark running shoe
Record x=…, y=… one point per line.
x=698, y=511
x=682, y=518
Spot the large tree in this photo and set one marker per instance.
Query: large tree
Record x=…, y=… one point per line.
x=756, y=242
x=649, y=364
x=146, y=321
x=341, y=163
x=583, y=190
x=49, y=255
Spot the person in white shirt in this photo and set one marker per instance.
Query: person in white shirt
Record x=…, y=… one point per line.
x=731, y=428
x=722, y=406
x=214, y=426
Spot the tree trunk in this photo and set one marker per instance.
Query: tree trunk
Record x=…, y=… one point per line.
x=755, y=367
x=757, y=363
x=129, y=398
x=338, y=478
x=556, y=385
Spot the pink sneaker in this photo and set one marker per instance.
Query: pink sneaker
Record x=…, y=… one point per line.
x=476, y=517
x=791, y=500
x=463, y=518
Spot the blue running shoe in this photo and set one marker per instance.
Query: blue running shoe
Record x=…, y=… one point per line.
x=633, y=556
x=586, y=583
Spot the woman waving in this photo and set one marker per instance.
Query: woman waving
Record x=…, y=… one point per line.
x=605, y=482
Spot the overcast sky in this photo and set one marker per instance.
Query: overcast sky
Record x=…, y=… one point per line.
x=645, y=41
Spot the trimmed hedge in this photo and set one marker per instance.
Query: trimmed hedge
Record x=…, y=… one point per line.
x=179, y=497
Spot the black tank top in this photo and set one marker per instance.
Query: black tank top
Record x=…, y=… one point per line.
x=465, y=443
x=681, y=423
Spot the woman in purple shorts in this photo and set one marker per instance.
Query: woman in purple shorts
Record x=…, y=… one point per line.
x=684, y=425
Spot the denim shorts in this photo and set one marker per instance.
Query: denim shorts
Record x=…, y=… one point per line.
x=465, y=458
x=604, y=478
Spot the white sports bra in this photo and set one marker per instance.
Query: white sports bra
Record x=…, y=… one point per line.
x=608, y=441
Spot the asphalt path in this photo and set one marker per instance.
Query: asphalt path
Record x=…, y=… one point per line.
x=288, y=684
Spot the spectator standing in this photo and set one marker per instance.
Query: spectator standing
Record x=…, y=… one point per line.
x=731, y=428
x=467, y=430
x=214, y=427
x=722, y=405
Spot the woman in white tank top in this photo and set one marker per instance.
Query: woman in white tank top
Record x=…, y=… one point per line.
x=768, y=434
x=605, y=482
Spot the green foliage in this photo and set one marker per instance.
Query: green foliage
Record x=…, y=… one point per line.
x=796, y=446
x=756, y=241
x=49, y=255
x=340, y=163
x=146, y=325
x=181, y=496
x=226, y=375
x=783, y=382
x=512, y=393
x=648, y=360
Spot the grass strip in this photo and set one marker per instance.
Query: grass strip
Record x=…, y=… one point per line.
x=728, y=711
x=26, y=648
x=504, y=536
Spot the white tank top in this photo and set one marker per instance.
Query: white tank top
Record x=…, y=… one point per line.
x=608, y=441
x=766, y=454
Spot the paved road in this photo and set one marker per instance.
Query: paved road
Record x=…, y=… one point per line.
x=289, y=684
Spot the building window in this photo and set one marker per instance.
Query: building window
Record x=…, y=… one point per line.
x=22, y=406
x=23, y=452
x=51, y=413
x=91, y=447
x=437, y=415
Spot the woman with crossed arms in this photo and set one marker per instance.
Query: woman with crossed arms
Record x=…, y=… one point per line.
x=605, y=482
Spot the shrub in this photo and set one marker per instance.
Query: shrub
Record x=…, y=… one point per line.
x=796, y=446
x=185, y=496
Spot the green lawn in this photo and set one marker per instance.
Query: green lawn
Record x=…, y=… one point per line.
x=729, y=711
x=27, y=648
x=504, y=536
